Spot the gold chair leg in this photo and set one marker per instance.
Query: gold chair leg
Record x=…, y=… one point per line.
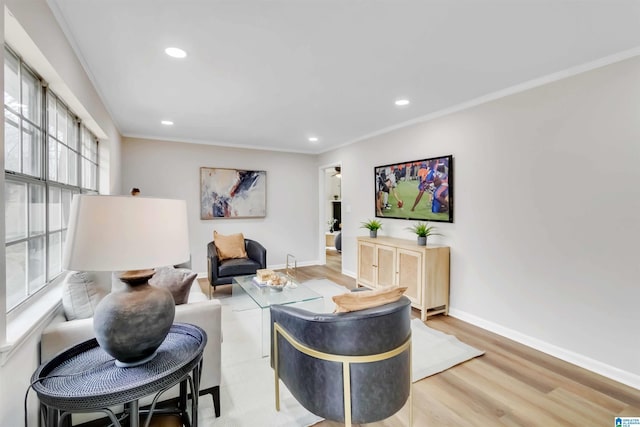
x=410, y=385
x=411, y=405
x=346, y=390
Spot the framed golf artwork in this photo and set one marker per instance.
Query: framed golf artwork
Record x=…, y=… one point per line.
x=416, y=190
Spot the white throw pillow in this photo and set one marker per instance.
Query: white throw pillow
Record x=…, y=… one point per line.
x=80, y=295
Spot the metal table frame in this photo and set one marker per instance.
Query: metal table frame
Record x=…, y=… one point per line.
x=59, y=382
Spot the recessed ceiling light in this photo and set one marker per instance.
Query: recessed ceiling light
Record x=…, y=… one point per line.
x=313, y=139
x=167, y=122
x=175, y=52
x=402, y=102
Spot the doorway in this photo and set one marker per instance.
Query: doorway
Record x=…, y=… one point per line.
x=331, y=215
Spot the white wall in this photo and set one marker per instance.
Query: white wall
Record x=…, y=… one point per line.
x=46, y=40
x=172, y=170
x=547, y=204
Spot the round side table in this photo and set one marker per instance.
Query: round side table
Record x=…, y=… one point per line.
x=84, y=378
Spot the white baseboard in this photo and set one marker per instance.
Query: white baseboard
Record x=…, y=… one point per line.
x=300, y=264
x=349, y=273
x=616, y=374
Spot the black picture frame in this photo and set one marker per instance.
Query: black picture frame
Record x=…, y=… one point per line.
x=426, y=185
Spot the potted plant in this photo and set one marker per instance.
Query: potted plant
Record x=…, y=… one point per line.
x=423, y=230
x=373, y=225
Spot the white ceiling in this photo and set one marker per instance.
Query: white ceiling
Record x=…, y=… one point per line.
x=269, y=74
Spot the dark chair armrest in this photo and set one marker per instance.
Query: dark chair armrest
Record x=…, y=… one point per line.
x=256, y=252
x=293, y=319
x=212, y=262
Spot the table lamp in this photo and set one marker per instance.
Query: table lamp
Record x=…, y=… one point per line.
x=131, y=236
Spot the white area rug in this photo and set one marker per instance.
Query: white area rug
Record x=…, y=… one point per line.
x=434, y=351
x=247, y=389
x=247, y=397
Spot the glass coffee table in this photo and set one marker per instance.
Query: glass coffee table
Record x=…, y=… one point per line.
x=264, y=297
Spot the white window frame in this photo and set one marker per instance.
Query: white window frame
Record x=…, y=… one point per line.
x=83, y=151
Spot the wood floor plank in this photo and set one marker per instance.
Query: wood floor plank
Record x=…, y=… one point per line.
x=553, y=379
x=428, y=407
x=523, y=402
x=630, y=411
x=481, y=408
x=549, y=369
x=597, y=414
x=521, y=369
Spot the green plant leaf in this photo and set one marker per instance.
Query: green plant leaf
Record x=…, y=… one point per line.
x=423, y=229
x=372, y=224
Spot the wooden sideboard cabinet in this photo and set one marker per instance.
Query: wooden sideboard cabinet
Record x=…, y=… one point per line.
x=330, y=239
x=390, y=262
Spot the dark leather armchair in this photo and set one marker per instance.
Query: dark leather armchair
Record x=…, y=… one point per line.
x=347, y=367
x=222, y=272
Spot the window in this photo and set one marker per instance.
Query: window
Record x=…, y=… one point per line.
x=49, y=157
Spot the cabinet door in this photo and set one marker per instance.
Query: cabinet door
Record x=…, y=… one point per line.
x=410, y=274
x=330, y=239
x=366, y=264
x=436, y=292
x=386, y=262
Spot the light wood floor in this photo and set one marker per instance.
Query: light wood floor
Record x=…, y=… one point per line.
x=334, y=260
x=510, y=385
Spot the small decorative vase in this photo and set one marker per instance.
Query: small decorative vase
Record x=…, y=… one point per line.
x=132, y=321
x=422, y=240
x=373, y=233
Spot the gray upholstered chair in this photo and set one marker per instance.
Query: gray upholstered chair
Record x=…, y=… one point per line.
x=338, y=242
x=223, y=272
x=347, y=367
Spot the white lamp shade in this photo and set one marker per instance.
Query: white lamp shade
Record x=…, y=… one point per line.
x=118, y=233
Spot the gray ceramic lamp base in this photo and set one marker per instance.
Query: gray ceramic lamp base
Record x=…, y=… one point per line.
x=132, y=322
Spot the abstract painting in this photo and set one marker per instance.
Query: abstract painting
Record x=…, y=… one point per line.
x=232, y=193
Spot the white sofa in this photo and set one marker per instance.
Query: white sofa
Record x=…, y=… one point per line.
x=199, y=311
